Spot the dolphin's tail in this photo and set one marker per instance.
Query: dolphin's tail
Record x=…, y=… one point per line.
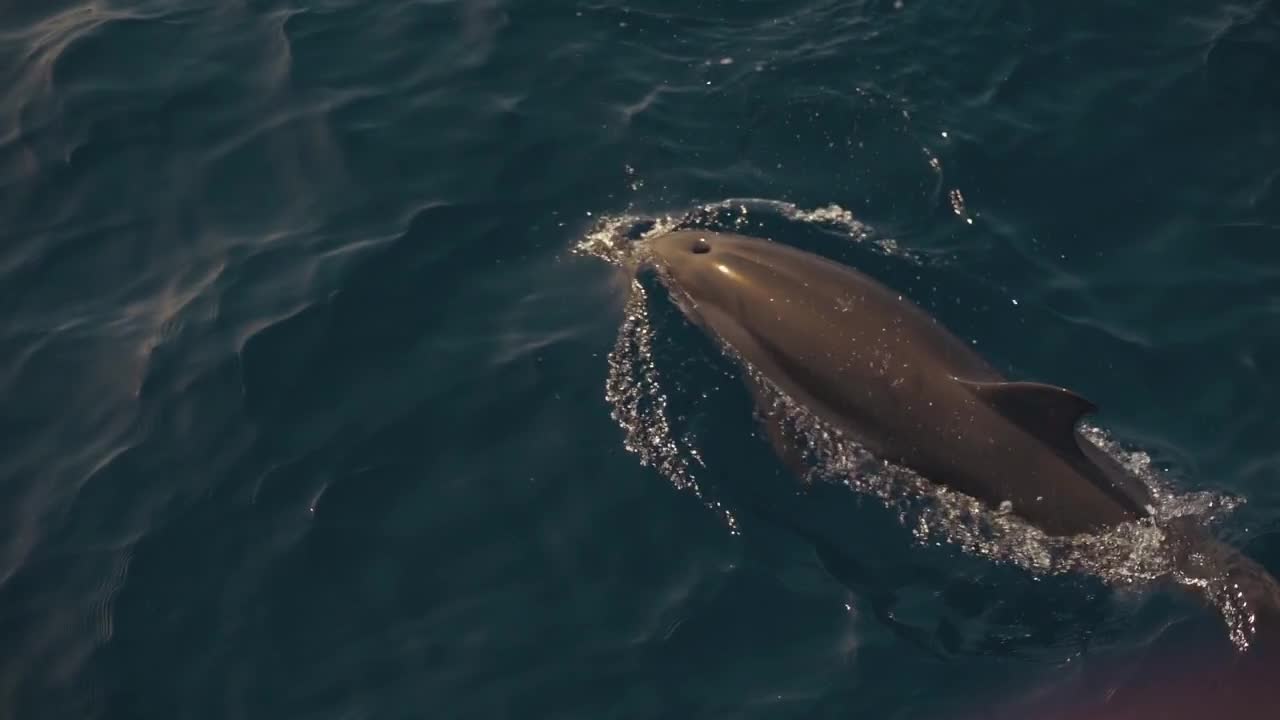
x=1245, y=593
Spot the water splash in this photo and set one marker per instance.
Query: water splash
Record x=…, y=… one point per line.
x=613, y=237
x=640, y=404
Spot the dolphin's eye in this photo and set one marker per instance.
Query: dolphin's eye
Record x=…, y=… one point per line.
x=701, y=246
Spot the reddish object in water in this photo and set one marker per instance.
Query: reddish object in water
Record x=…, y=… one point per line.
x=1196, y=682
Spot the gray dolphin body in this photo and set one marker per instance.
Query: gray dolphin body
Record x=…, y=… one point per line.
x=872, y=364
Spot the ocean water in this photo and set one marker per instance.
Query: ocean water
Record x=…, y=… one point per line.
x=327, y=392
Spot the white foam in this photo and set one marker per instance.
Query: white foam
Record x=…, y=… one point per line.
x=639, y=403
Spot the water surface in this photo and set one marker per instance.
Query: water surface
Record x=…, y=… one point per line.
x=305, y=380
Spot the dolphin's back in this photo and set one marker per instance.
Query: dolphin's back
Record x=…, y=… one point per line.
x=834, y=292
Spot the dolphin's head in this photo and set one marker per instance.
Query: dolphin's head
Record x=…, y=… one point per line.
x=708, y=271
x=732, y=287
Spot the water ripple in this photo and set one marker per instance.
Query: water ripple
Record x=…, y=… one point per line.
x=301, y=391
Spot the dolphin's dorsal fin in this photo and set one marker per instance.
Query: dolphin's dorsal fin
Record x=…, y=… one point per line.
x=1050, y=413
x=1046, y=411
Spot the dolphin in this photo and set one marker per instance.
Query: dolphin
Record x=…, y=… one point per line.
x=876, y=367
x=870, y=363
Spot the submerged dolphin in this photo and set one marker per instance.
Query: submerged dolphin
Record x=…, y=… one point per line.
x=873, y=365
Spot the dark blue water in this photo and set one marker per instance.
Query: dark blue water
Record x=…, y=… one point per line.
x=303, y=366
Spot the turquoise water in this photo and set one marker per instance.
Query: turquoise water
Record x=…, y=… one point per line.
x=312, y=345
